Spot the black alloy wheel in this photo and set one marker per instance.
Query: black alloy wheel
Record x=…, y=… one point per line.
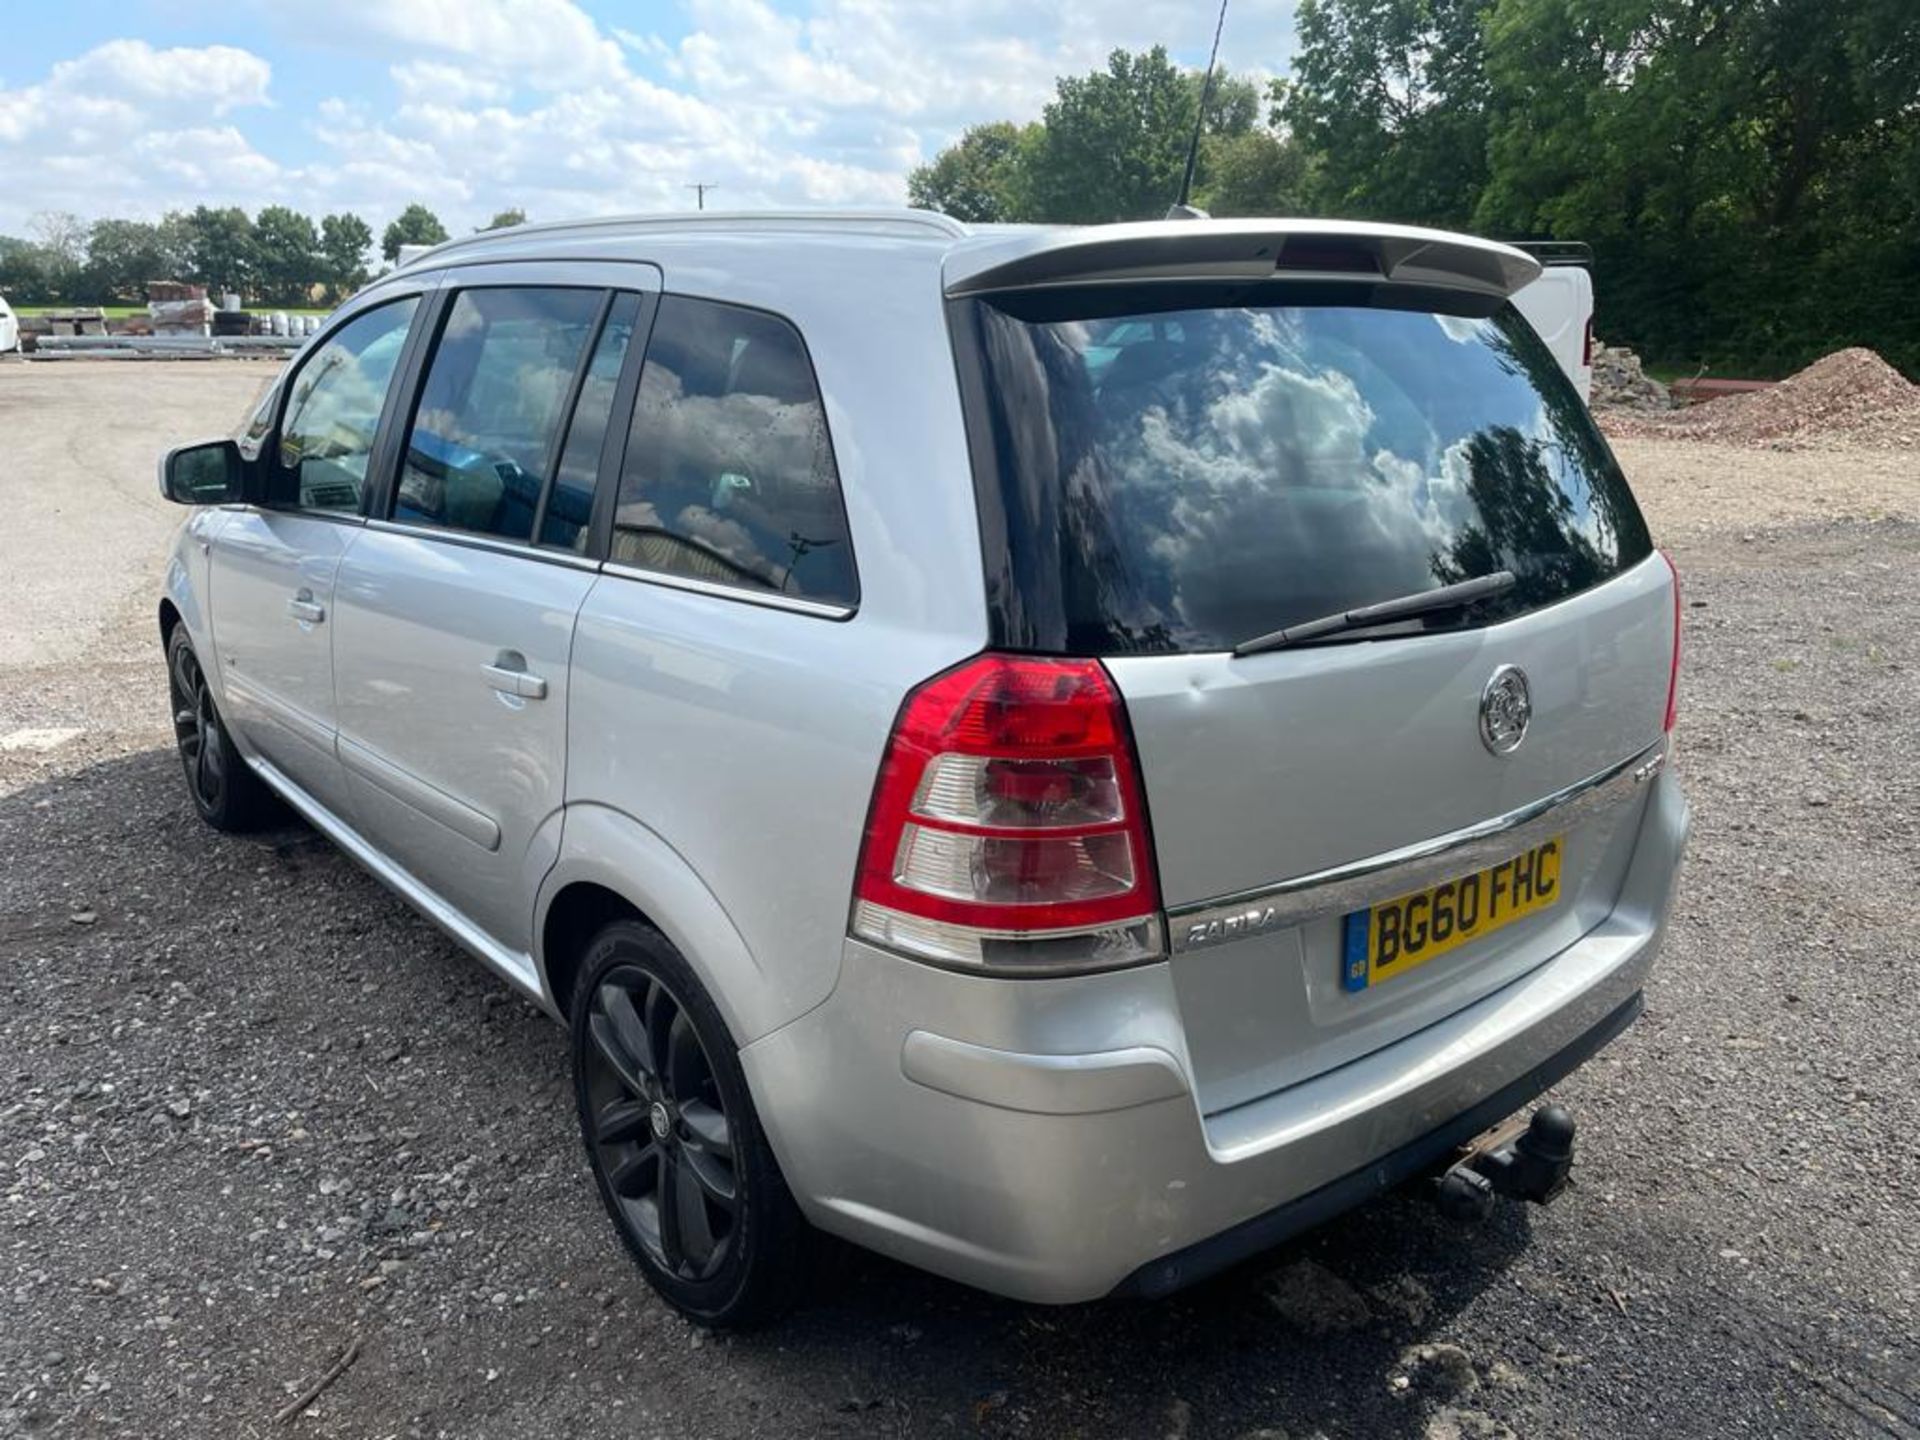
x=195, y=730
x=676, y=1146
x=228, y=795
x=659, y=1124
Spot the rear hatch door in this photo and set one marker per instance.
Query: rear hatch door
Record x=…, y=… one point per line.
x=1291, y=791
x=1169, y=468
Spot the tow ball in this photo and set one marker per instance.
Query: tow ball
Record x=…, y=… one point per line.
x=1522, y=1158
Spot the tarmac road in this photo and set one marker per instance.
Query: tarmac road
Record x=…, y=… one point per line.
x=252, y=1109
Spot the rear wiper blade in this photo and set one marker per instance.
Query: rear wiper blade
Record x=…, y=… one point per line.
x=1406, y=607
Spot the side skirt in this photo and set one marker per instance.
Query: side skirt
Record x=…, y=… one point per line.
x=512, y=966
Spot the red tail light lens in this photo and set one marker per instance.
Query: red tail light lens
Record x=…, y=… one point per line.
x=1008, y=829
x=1673, y=674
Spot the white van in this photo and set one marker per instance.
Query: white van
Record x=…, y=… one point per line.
x=1559, y=305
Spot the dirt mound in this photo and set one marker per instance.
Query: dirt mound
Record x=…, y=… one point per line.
x=1850, y=397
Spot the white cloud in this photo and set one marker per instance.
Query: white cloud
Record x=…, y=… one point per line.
x=548, y=44
x=214, y=77
x=438, y=81
x=481, y=104
x=122, y=88
x=124, y=122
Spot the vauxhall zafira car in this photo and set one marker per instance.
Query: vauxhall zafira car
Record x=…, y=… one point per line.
x=1062, y=755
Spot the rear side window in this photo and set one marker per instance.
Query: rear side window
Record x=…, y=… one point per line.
x=333, y=411
x=1188, y=478
x=490, y=411
x=729, y=474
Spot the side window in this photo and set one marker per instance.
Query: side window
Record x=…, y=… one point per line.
x=729, y=475
x=570, y=502
x=333, y=410
x=489, y=411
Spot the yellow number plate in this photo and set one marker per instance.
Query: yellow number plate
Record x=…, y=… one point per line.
x=1394, y=936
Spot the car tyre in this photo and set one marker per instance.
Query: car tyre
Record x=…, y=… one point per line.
x=677, y=1150
x=226, y=792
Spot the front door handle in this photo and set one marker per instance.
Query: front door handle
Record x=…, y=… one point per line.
x=509, y=675
x=304, y=608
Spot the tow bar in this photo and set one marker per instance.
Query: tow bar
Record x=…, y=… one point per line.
x=1522, y=1158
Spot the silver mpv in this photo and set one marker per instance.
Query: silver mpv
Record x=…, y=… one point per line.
x=1064, y=756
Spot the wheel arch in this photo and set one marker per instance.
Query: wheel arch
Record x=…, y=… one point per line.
x=183, y=602
x=612, y=866
x=578, y=912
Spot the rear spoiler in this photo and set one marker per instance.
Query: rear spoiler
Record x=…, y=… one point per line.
x=1233, y=250
x=1557, y=252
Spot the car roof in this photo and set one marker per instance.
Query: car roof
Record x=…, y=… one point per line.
x=970, y=259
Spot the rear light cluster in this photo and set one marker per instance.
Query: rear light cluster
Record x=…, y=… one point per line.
x=1673, y=672
x=1008, y=831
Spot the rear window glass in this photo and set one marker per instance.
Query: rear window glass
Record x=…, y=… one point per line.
x=1186, y=479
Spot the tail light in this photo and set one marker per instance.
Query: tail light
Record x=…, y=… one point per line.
x=1008, y=831
x=1586, y=344
x=1673, y=673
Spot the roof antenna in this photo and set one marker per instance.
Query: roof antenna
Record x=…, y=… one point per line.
x=1180, y=209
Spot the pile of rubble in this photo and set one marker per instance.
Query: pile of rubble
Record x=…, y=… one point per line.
x=1851, y=397
x=1620, y=383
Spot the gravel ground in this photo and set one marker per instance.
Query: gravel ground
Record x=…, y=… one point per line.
x=253, y=1110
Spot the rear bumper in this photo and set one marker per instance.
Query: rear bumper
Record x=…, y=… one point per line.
x=1040, y=1138
x=1417, y=1157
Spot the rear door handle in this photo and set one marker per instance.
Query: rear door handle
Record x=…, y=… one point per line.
x=304, y=608
x=511, y=679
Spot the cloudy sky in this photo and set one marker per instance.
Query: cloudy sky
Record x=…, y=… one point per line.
x=560, y=107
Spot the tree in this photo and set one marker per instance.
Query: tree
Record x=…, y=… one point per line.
x=63, y=248
x=1112, y=145
x=976, y=179
x=288, y=248
x=24, y=270
x=504, y=219
x=344, y=241
x=1389, y=98
x=220, y=250
x=122, y=256
x=416, y=225
x=1749, y=175
x=62, y=234
x=1255, y=173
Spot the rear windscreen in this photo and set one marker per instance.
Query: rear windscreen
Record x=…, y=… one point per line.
x=1184, y=479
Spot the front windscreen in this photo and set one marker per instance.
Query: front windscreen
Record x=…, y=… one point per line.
x=1183, y=479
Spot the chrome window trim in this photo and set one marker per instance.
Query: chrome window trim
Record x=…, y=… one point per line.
x=332, y=517
x=579, y=272
x=472, y=540
x=819, y=610
x=1204, y=924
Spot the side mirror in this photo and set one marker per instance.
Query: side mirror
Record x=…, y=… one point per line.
x=203, y=474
